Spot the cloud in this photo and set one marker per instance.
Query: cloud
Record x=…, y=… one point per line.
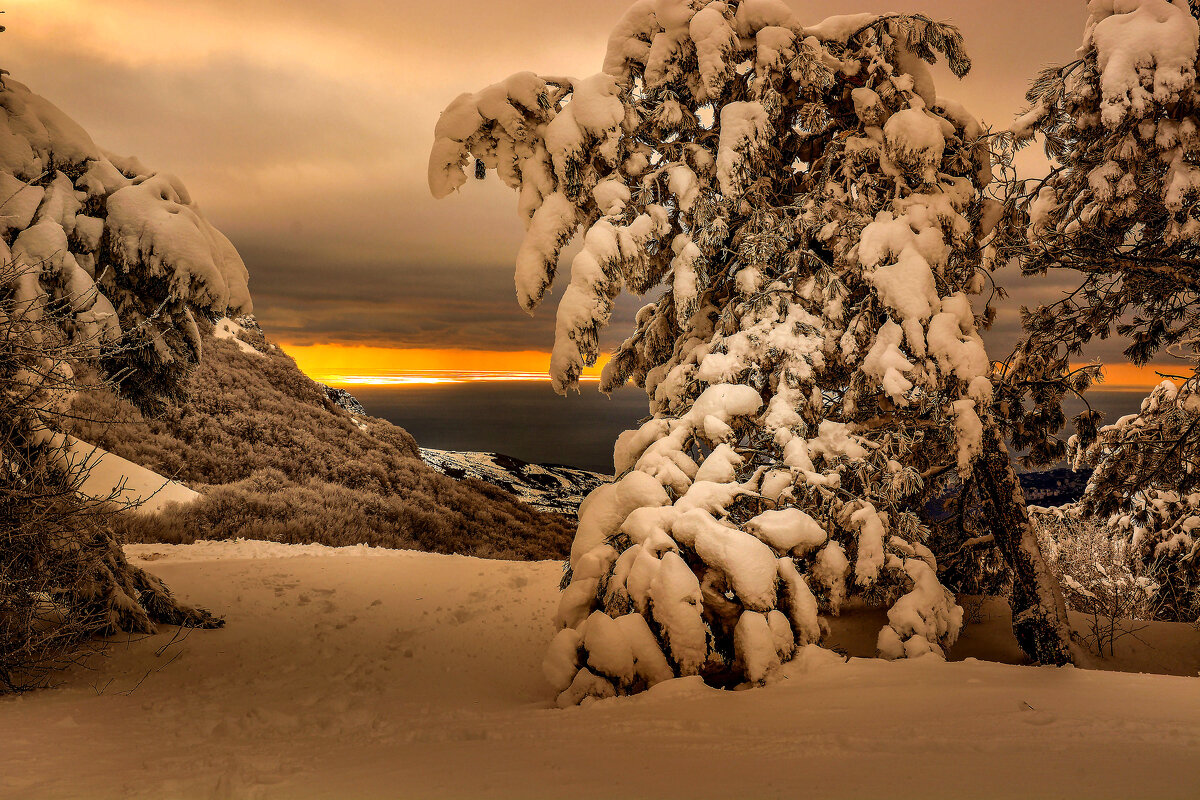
x=424, y=314
x=302, y=128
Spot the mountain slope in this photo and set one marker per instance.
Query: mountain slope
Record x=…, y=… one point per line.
x=274, y=458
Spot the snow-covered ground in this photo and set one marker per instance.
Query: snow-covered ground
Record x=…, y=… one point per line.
x=225, y=328
x=357, y=673
x=110, y=476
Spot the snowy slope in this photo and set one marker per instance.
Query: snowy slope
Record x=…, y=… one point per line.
x=228, y=329
x=110, y=476
x=546, y=487
x=370, y=674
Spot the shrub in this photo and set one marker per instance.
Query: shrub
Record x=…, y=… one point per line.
x=277, y=460
x=1099, y=575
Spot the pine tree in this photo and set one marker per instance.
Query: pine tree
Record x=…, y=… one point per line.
x=1121, y=208
x=813, y=211
x=103, y=267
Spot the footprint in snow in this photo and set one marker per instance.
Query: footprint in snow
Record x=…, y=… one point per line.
x=461, y=615
x=1033, y=716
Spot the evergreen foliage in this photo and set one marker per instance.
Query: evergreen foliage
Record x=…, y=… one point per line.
x=1145, y=485
x=63, y=576
x=1121, y=208
x=813, y=211
x=106, y=264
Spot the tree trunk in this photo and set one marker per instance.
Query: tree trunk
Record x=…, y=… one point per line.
x=1038, y=611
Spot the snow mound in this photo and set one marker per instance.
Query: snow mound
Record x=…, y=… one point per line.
x=126, y=483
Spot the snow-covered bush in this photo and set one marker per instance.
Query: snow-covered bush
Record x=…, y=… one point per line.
x=1100, y=575
x=125, y=246
x=1146, y=483
x=63, y=578
x=102, y=263
x=813, y=210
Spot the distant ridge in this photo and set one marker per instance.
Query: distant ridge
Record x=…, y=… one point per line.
x=559, y=489
x=547, y=487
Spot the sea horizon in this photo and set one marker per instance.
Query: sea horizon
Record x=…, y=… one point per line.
x=521, y=416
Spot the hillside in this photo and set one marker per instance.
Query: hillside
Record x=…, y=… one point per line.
x=370, y=674
x=275, y=458
x=145, y=276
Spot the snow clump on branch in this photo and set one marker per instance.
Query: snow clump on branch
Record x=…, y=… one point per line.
x=124, y=247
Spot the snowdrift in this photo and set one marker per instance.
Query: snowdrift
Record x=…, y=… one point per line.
x=110, y=476
x=358, y=672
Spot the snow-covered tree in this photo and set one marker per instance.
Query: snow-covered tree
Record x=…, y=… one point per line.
x=1146, y=482
x=103, y=265
x=811, y=210
x=1120, y=207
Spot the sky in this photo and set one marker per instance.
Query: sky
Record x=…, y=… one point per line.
x=302, y=128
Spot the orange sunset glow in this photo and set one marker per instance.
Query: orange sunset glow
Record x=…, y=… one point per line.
x=363, y=365
x=1130, y=378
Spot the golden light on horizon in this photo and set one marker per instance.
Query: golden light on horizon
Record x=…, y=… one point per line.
x=1126, y=377
x=369, y=365
x=366, y=365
